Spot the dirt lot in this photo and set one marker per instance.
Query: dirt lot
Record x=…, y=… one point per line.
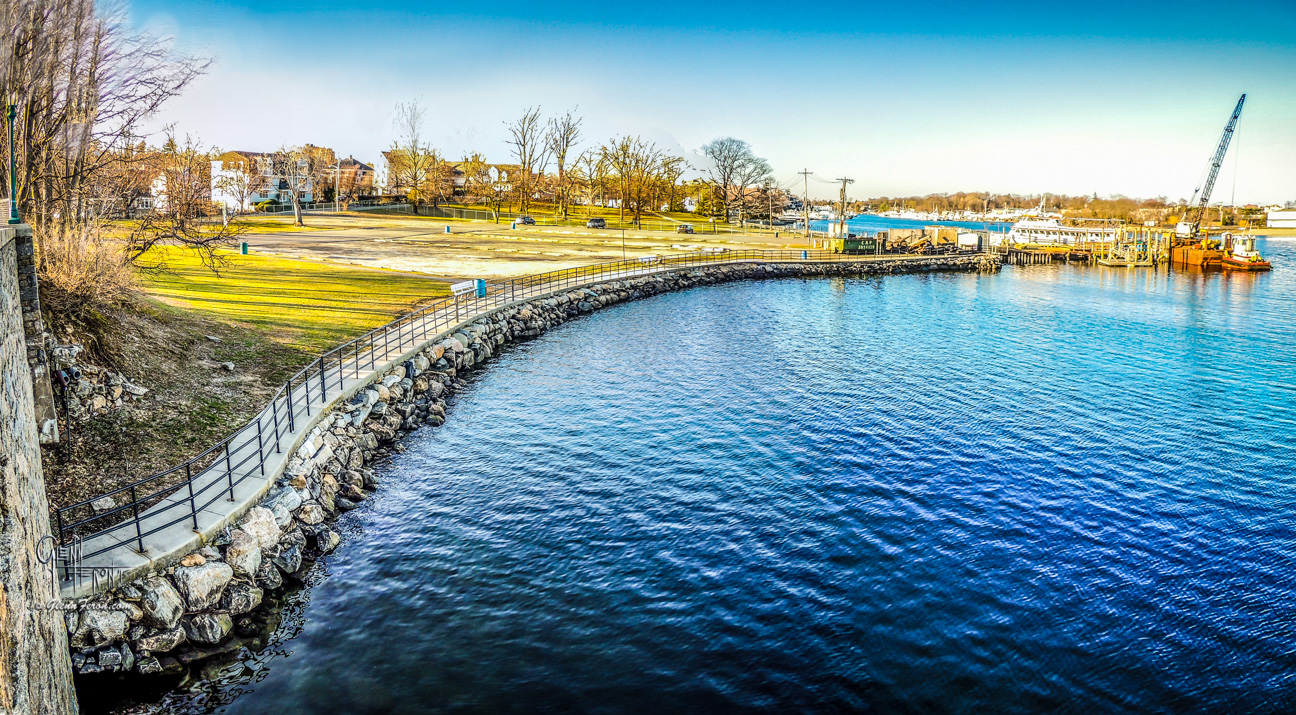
x=482, y=250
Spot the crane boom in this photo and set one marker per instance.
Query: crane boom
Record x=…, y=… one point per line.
x=1212, y=172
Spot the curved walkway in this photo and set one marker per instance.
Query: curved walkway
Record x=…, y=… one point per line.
x=170, y=514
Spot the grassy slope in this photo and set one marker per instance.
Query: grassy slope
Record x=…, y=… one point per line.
x=272, y=315
x=309, y=305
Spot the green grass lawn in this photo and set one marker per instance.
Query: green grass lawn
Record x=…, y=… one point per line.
x=310, y=305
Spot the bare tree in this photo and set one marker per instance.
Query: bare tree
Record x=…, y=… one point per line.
x=751, y=173
x=637, y=167
x=589, y=173
x=292, y=173
x=411, y=159
x=83, y=83
x=673, y=167
x=322, y=171
x=733, y=169
x=485, y=182
x=560, y=139
x=528, y=146
x=238, y=184
x=182, y=208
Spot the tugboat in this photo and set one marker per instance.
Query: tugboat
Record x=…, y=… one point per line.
x=1242, y=255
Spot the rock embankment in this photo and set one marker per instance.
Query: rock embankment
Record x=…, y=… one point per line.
x=205, y=605
x=88, y=390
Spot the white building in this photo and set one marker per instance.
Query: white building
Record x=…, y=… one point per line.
x=242, y=179
x=1282, y=219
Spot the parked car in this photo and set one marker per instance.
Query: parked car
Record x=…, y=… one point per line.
x=596, y=223
x=526, y=221
x=683, y=228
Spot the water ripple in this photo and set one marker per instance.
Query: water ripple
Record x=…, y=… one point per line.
x=1054, y=489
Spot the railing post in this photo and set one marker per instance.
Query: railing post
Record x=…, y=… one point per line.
x=323, y=383
x=193, y=505
x=288, y=401
x=306, y=384
x=229, y=469
x=139, y=535
x=260, y=446
x=274, y=410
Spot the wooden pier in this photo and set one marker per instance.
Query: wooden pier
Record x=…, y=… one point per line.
x=1133, y=247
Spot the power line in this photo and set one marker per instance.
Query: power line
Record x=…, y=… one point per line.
x=805, y=198
x=841, y=217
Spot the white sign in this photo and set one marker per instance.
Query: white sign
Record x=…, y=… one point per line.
x=465, y=287
x=649, y=259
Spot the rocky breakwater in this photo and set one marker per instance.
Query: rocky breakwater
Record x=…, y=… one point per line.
x=208, y=604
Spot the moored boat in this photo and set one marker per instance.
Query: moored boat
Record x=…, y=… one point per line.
x=1242, y=255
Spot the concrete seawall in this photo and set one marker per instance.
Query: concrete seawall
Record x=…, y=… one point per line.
x=186, y=604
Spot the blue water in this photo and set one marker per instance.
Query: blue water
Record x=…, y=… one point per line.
x=1055, y=489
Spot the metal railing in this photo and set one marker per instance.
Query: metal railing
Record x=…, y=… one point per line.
x=181, y=493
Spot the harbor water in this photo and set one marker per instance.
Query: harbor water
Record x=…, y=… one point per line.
x=1058, y=488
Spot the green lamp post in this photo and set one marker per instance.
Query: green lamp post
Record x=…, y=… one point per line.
x=13, y=168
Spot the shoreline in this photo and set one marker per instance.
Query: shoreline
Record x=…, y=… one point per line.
x=206, y=606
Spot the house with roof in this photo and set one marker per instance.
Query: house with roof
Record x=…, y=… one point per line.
x=242, y=179
x=355, y=178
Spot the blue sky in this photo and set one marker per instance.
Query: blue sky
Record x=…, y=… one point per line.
x=905, y=98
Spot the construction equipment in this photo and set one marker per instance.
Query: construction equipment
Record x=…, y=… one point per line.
x=1197, y=207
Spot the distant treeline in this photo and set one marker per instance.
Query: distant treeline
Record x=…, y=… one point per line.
x=1091, y=206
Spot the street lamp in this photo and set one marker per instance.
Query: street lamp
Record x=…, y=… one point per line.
x=12, y=114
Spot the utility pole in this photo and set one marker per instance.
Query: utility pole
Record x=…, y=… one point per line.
x=337, y=187
x=805, y=198
x=841, y=217
x=769, y=200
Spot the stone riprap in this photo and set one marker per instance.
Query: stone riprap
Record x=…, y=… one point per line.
x=203, y=605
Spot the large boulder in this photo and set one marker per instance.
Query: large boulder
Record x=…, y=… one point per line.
x=208, y=628
x=243, y=553
x=260, y=525
x=161, y=603
x=353, y=477
x=289, y=559
x=202, y=586
x=105, y=625
x=328, y=541
x=241, y=597
x=360, y=415
x=159, y=640
x=268, y=576
x=285, y=496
